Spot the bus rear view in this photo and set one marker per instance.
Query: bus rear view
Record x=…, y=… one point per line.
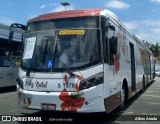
x=61, y=67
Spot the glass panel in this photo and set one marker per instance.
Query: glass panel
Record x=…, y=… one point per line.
x=76, y=48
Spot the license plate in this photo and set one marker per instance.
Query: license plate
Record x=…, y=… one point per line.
x=46, y=106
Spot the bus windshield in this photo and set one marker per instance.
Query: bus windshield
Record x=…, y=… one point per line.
x=75, y=42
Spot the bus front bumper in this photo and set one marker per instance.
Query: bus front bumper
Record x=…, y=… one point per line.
x=89, y=100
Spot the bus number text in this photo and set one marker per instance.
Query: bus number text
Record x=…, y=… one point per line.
x=68, y=85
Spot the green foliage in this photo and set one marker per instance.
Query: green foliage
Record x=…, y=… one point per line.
x=155, y=48
x=76, y=95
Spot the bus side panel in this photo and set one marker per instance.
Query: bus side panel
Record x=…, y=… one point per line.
x=113, y=72
x=10, y=53
x=7, y=77
x=126, y=68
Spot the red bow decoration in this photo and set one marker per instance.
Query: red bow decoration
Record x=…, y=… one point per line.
x=69, y=103
x=66, y=79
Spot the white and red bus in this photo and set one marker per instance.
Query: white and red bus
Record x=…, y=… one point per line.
x=81, y=61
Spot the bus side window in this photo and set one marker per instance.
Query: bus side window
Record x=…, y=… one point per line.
x=4, y=60
x=113, y=42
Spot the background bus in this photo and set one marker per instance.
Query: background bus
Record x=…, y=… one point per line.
x=81, y=61
x=10, y=54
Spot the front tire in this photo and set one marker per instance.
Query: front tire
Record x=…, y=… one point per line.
x=123, y=97
x=143, y=84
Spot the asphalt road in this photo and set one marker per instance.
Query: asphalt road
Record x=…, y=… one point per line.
x=143, y=105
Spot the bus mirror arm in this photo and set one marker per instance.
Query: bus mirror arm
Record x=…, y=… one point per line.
x=111, y=27
x=19, y=26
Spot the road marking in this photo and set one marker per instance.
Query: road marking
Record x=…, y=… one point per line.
x=148, y=114
x=154, y=103
x=144, y=114
x=151, y=96
x=130, y=112
x=13, y=111
x=153, y=91
x=157, y=88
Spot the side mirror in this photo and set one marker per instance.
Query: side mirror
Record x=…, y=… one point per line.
x=17, y=25
x=113, y=41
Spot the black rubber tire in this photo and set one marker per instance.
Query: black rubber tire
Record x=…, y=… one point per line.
x=143, y=85
x=123, y=97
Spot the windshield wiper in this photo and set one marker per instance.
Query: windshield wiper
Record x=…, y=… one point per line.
x=30, y=69
x=65, y=66
x=45, y=53
x=55, y=57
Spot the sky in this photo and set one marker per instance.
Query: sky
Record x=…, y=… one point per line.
x=141, y=17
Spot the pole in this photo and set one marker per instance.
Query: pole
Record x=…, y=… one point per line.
x=65, y=4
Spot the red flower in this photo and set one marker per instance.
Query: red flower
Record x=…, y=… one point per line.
x=69, y=103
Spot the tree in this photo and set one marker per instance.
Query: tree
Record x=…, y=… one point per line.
x=155, y=48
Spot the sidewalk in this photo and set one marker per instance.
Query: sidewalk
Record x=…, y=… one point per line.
x=146, y=104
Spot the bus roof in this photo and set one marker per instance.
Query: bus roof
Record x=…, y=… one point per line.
x=4, y=32
x=66, y=14
x=85, y=12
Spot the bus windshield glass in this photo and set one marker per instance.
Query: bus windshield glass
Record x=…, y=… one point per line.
x=74, y=41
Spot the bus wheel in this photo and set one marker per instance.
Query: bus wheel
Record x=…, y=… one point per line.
x=143, y=84
x=123, y=97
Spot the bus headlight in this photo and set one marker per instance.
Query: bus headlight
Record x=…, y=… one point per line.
x=93, y=81
x=20, y=82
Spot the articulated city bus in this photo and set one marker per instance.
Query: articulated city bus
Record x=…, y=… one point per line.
x=10, y=54
x=81, y=61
